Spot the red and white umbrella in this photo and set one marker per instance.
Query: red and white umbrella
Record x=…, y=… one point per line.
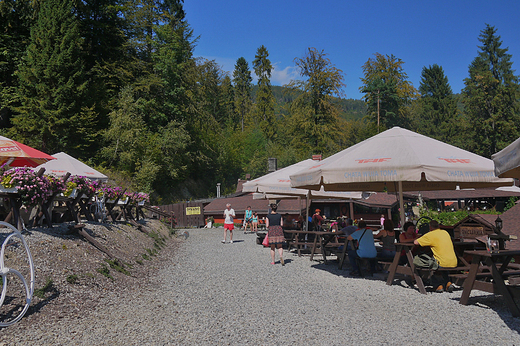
x=16, y=154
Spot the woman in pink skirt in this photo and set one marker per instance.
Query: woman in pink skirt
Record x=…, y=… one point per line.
x=274, y=225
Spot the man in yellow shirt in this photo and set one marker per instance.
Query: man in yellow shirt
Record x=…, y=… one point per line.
x=442, y=247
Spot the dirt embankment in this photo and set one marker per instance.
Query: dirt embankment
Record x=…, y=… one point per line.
x=71, y=274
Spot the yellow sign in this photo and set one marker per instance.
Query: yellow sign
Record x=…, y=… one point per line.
x=192, y=210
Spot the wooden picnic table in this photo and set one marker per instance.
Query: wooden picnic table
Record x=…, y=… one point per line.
x=408, y=270
x=320, y=241
x=498, y=264
x=14, y=205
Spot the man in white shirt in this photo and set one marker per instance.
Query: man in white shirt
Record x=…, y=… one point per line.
x=229, y=215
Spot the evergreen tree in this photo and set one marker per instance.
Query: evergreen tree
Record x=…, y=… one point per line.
x=55, y=112
x=491, y=96
x=16, y=17
x=227, y=103
x=264, y=105
x=314, y=119
x=436, y=115
x=104, y=45
x=385, y=85
x=242, y=80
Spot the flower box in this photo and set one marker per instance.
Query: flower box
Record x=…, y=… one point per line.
x=8, y=190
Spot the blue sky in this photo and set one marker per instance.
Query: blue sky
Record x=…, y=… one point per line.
x=420, y=33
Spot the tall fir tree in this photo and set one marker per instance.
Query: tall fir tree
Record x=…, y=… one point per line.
x=437, y=108
x=242, y=82
x=104, y=47
x=264, y=103
x=16, y=18
x=491, y=96
x=55, y=112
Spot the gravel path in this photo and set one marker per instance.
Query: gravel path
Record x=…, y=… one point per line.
x=210, y=293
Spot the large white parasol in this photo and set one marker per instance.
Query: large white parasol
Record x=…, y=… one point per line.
x=277, y=185
x=65, y=163
x=507, y=161
x=399, y=160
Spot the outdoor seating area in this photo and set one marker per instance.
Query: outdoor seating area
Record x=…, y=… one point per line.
x=477, y=268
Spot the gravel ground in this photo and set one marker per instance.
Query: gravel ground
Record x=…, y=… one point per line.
x=208, y=293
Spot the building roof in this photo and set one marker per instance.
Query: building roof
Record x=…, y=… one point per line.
x=379, y=200
x=511, y=226
x=461, y=194
x=240, y=203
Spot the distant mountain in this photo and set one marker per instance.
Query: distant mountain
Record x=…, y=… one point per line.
x=351, y=109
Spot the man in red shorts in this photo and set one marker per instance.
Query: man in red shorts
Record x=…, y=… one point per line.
x=229, y=215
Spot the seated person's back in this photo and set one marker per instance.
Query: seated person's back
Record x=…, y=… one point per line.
x=349, y=229
x=441, y=245
x=365, y=238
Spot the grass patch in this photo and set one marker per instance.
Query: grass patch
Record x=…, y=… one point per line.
x=114, y=264
x=40, y=292
x=145, y=256
x=159, y=241
x=151, y=252
x=104, y=271
x=89, y=275
x=72, y=279
x=138, y=261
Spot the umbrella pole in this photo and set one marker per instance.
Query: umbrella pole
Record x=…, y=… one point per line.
x=307, y=205
x=401, y=203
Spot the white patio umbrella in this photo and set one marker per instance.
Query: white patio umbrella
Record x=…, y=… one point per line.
x=399, y=160
x=65, y=163
x=278, y=184
x=507, y=161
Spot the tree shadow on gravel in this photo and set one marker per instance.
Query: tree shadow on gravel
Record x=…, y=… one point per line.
x=332, y=267
x=496, y=303
x=485, y=301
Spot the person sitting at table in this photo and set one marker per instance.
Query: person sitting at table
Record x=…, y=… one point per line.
x=300, y=222
x=444, y=256
x=365, y=248
x=317, y=220
x=349, y=228
x=408, y=236
x=387, y=237
x=336, y=225
x=288, y=223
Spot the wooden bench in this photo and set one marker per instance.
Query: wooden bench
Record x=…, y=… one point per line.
x=299, y=239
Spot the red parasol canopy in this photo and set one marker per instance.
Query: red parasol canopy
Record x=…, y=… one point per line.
x=20, y=155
